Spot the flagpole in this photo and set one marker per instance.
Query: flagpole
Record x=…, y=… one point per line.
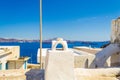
x=40, y=34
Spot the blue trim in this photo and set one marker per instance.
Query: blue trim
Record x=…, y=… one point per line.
x=0, y=66
x=6, y=65
x=25, y=65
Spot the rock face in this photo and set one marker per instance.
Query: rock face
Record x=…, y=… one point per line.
x=115, y=38
x=115, y=34
x=103, y=55
x=113, y=50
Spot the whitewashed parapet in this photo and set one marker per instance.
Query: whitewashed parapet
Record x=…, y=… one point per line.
x=59, y=41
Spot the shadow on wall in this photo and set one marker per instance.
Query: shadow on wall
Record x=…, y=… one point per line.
x=86, y=64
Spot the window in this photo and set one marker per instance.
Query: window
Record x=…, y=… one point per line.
x=6, y=65
x=0, y=66
x=25, y=64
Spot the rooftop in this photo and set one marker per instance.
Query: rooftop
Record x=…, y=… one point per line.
x=88, y=50
x=19, y=59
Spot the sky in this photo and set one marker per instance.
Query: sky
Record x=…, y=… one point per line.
x=84, y=20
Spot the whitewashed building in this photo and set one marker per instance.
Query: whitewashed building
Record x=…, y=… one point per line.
x=10, y=58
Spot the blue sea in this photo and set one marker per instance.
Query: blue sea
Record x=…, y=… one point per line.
x=30, y=49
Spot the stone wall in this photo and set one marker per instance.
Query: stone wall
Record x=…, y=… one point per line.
x=16, y=52
x=84, y=61
x=16, y=65
x=97, y=74
x=115, y=60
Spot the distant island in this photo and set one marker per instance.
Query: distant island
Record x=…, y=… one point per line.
x=16, y=40
x=48, y=40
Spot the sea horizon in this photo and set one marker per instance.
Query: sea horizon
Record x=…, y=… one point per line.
x=29, y=49
x=47, y=40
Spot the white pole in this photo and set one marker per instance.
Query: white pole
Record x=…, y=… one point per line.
x=40, y=34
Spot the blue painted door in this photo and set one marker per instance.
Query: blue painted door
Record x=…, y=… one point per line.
x=6, y=66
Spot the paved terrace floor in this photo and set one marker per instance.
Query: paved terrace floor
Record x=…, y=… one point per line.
x=34, y=74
